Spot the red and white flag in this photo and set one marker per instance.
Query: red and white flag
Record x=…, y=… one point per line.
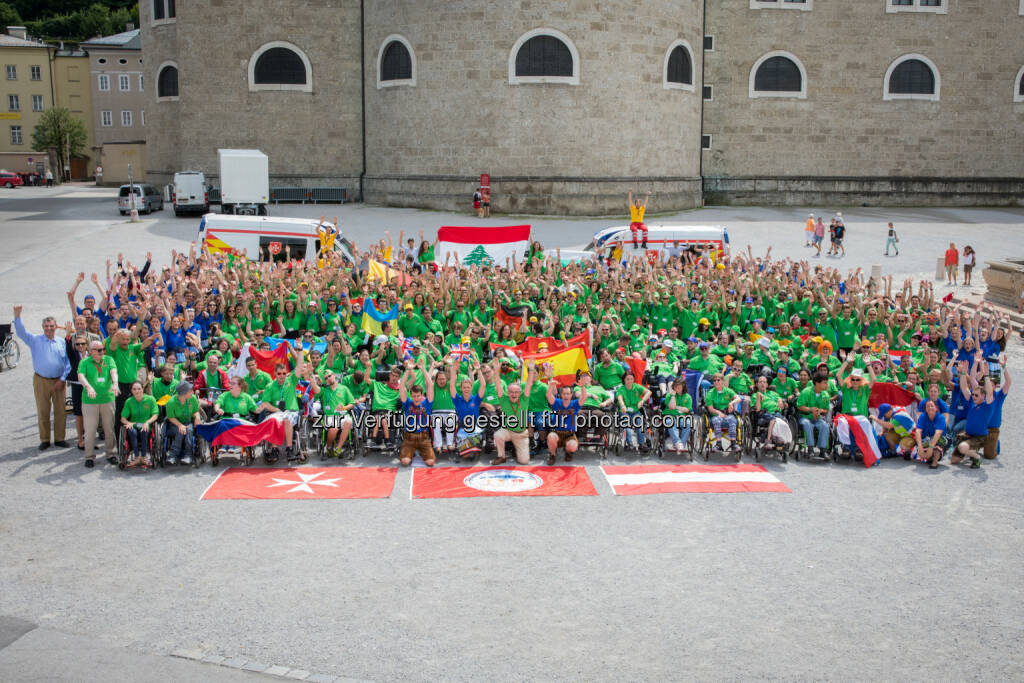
x=302, y=483
x=632, y=480
x=474, y=482
x=482, y=246
x=860, y=430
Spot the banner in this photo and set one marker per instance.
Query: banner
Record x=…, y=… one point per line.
x=859, y=429
x=384, y=273
x=306, y=483
x=265, y=360
x=632, y=480
x=372, y=318
x=476, y=246
x=893, y=394
x=472, y=482
x=232, y=431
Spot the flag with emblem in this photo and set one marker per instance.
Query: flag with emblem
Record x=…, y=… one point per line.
x=476, y=246
x=473, y=482
x=301, y=483
x=632, y=480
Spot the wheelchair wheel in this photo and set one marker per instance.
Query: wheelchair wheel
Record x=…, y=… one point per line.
x=11, y=353
x=199, y=451
x=746, y=434
x=247, y=456
x=122, y=448
x=269, y=452
x=159, y=447
x=758, y=452
x=620, y=438
x=214, y=459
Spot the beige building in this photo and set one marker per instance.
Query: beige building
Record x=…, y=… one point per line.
x=569, y=104
x=118, y=87
x=26, y=91
x=72, y=91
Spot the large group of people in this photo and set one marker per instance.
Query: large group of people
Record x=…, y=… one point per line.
x=769, y=336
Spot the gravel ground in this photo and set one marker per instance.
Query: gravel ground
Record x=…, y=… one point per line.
x=892, y=573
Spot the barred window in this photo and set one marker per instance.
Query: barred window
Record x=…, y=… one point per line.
x=544, y=55
x=167, y=82
x=778, y=74
x=396, y=64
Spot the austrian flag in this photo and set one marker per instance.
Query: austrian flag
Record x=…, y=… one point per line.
x=482, y=246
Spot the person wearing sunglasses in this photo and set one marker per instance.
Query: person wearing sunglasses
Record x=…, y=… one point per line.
x=98, y=375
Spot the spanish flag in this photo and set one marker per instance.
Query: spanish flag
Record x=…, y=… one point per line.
x=564, y=362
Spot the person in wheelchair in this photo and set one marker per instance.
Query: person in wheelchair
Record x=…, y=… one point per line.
x=677, y=407
x=212, y=379
x=280, y=401
x=599, y=402
x=769, y=407
x=235, y=402
x=139, y=413
x=721, y=403
x=183, y=414
x=335, y=403
x=813, y=405
x=631, y=398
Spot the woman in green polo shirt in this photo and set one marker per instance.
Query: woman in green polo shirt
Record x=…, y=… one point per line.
x=98, y=376
x=235, y=402
x=137, y=416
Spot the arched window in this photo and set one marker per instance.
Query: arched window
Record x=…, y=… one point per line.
x=678, y=72
x=280, y=66
x=912, y=77
x=544, y=55
x=167, y=81
x=1018, y=85
x=778, y=74
x=396, y=62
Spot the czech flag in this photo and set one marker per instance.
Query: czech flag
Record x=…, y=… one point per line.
x=565, y=363
x=236, y=432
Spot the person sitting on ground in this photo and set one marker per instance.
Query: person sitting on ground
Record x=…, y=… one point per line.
x=416, y=405
x=564, y=409
x=979, y=413
x=929, y=435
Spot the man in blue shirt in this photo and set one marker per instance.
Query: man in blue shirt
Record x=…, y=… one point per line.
x=50, y=366
x=416, y=405
x=991, y=448
x=979, y=414
x=469, y=435
x=564, y=410
x=929, y=435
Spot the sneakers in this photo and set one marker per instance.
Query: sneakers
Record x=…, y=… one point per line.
x=89, y=463
x=643, y=245
x=975, y=463
x=187, y=460
x=172, y=461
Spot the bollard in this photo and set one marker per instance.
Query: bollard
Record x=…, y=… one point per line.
x=940, y=268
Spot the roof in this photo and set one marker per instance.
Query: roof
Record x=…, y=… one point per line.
x=11, y=41
x=129, y=40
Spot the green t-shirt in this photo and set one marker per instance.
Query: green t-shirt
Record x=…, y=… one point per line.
x=769, y=401
x=809, y=399
x=596, y=395
x=137, y=412
x=609, y=377
x=275, y=393
x=100, y=377
x=740, y=382
x=384, y=397
x=182, y=412
x=490, y=391
x=241, y=406
x=855, y=401
x=442, y=399
x=126, y=360
x=514, y=415
x=631, y=396
x=258, y=383
x=785, y=387
x=719, y=400
x=331, y=400
x=539, y=397
x=162, y=388
x=684, y=404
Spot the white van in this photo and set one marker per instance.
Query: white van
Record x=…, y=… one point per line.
x=672, y=238
x=188, y=194
x=263, y=237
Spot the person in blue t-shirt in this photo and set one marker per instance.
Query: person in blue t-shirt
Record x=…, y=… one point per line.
x=930, y=434
x=416, y=404
x=469, y=436
x=564, y=410
x=1002, y=386
x=979, y=413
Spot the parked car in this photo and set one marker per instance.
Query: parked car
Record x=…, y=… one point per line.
x=10, y=179
x=189, y=193
x=147, y=199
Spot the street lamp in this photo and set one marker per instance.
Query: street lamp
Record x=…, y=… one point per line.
x=134, y=213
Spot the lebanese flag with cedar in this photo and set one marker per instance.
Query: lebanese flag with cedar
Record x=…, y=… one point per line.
x=476, y=246
x=302, y=483
x=631, y=480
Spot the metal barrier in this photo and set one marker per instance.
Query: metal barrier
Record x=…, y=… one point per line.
x=213, y=195
x=331, y=195
x=289, y=194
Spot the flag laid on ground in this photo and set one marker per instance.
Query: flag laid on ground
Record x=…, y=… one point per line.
x=893, y=394
x=472, y=482
x=564, y=362
x=515, y=316
x=860, y=430
x=232, y=431
x=632, y=480
x=478, y=246
x=265, y=360
x=302, y=483
x=372, y=318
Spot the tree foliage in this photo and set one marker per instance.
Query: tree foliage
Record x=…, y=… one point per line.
x=59, y=133
x=72, y=20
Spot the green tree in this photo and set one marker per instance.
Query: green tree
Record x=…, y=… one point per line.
x=479, y=257
x=61, y=134
x=8, y=16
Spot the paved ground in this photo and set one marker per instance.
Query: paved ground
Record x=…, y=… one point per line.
x=892, y=573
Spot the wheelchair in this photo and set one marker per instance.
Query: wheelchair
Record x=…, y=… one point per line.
x=705, y=445
x=834, y=449
x=619, y=435
x=315, y=438
x=599, y=439
x=198, y=450
x=124, y=450
x=759, y=438
x=10, y=352
x=244, y=453
x=660, y=438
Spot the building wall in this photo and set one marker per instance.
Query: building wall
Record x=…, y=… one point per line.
x=23, y=58
x=73, y=89
x=116, y=157
x=844, y=129
x=115, y=100
x=311, y=138
x=548, y=147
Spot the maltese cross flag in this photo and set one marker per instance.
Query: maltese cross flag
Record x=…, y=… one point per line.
x=302, y=483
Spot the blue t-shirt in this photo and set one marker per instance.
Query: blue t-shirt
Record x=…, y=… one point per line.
x=978, y=417
x=467, y=410
x=563, y=417
x=174, y=339
x=928, y=426
x=943, y=406
x=996, y=421
x=417, y=418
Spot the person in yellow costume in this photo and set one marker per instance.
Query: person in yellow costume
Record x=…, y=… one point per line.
x=327, y=236
x=636, y=217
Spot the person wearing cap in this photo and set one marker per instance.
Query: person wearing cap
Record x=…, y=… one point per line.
x=812, y=405
x=182, y=416
x=784, y=359
x=662, y=370
x=855, y=388
x=706, y=363
x=411, y=324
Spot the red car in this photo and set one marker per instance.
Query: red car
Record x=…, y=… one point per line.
x=9, y=179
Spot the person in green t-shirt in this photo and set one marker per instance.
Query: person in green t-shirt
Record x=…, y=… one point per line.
x=165, y=382
x=255, y=379
x=443, y=410
x=182, y=412
x=631, y=397
x=280, y=400
x=137, y=416
x=607, y=372
x=768, y=405
x=676, y=405
x=98, y=376
x=336, y=402
x=856, y=389
x=514, y=402
x=235, y=402
x=721, y=403
x=812, y=405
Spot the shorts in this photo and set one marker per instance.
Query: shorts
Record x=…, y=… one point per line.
x=487, y=205
x=476, y=205
x=416, y=442
x=975, y=443
x=968, y=269
x=290, y=415
x=563, y=437
x=838, y=241
x=818, y=239
x=991, y=448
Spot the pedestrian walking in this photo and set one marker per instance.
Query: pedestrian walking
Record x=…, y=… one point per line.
x=892, y=240
x=952, y=261
x=49, y=178
x=819, y=235
x=967, y=261
x=838, y=235
x=809, y=230
x=50, y=367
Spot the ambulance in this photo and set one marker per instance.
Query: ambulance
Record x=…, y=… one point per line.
x=264, y=238
x=674, y=239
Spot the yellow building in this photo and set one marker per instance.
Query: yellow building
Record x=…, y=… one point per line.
x=26, y=91
x=73, y=91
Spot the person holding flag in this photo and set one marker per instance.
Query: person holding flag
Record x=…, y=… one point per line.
x=564, y=409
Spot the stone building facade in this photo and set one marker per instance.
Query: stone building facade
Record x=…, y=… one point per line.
x=743, y=129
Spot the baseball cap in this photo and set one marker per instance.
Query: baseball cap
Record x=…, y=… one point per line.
x=704, y=345
x=668, y=343
x=409, y=307
x=857, y=372
x=884, y=409
x=693, y=340
x=703, y=321
x=380, y=339
x=865, y=343
x=764, y=342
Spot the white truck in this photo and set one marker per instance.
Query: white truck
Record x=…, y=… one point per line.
x=188, y=194
x=244, y=182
